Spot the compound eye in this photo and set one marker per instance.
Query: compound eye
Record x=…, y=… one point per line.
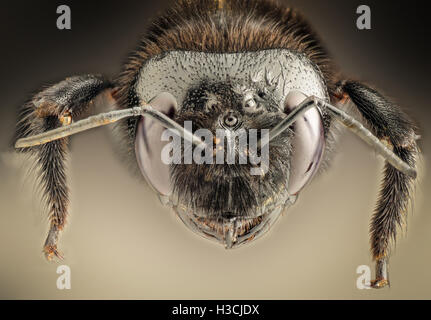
x=149, y=145
x=308, y=143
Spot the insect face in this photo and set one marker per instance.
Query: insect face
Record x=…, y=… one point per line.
x=224, y=198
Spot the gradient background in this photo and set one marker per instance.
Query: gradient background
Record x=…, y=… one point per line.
x=121, y=243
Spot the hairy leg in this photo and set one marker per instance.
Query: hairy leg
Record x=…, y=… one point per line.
x=391, y=125
x=56, y=106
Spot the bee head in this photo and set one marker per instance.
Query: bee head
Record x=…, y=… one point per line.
x=234, y=188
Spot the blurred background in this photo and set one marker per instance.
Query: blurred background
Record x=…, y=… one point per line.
x=120, y=243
